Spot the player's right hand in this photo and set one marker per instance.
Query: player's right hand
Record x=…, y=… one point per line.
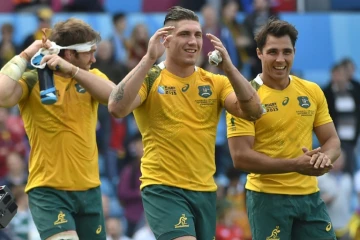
x=305, y=165
x=158, y=41
x=35, y=46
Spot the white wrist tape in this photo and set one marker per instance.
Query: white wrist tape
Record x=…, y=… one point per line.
x=14, y=68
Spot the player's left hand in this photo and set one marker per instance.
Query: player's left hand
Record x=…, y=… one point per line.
x=57, y=63
x=226, y=63
x=319, y=160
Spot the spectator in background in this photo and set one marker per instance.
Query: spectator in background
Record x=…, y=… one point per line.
x=8, y=49
x=80, y=5
x=9, y=141
x=129, y=186
x=144, y=233
x=22, y=222
x=191, y=4
x=118, y=39
x=114, y=229
x=233, y=34
x=29, y=5
x=342, y=95
x=137, y=45
x=44, y=16
x=16, y=171
x=235, y=195
x=336, y=190
x=252, y=24
x=349, y=67
x=210, y=25
x=106, y=63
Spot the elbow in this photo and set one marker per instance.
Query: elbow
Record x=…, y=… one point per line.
x=116, y=111
x=253, y=115
x=238, y=161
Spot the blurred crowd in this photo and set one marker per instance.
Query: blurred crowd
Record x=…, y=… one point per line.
x=119, y=141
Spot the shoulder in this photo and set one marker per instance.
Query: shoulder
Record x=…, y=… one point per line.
x=152, y=75
x=305, y=85
x=209, y=76
x=98, y=73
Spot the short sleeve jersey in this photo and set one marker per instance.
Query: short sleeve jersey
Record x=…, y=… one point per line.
x=286, y=127
x=62, y=136
x=177, y=119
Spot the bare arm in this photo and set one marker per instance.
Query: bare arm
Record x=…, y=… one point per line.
x=329, y=141
x=98, y=87
x=10, y=91
x=10, y=88
x=249, y=160
x=245, y=103
x=124, y=97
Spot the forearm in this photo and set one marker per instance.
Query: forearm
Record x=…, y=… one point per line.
x=98, y=87
x=247, y=98
x=331, y=148
x=255, y=162
x=123, y=95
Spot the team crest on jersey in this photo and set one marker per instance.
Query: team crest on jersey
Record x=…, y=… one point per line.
x=205, y=91
x=79, y=88
x=304, y=102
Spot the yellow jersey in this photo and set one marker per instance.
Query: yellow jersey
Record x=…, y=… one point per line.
x=287, y=126
x=178, y=118
x=62, y=136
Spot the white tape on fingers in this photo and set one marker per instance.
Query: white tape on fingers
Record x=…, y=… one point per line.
x=215, y=58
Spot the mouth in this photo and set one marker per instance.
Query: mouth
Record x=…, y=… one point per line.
x=191, y=51
x=280, y=68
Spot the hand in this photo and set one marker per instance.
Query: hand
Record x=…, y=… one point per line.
x=226, y=61
x=306, y=167
x=35, y=46
x=57, y=63
x=319, y=159
x=156, y=48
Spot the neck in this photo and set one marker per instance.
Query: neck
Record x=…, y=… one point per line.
x=179, y=71
x=273, y=83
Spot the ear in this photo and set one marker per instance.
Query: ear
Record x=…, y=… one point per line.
x=258, y=53
x=68, y=54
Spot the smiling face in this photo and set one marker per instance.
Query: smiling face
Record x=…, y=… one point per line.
x=277, y=57
x=185, y=46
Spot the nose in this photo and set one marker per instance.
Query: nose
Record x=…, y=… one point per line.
x=93, y=59
x=280, y=58
x=192, y=40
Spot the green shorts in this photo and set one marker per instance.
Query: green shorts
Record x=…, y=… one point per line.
x=285, y=217
x=174, y=212
x=55, y=211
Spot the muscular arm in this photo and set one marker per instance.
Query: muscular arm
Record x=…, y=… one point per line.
x=10, y=91
x=124, y=97
x=329, y=140
x=246, y=159
x=98, y=87
x=245, y=102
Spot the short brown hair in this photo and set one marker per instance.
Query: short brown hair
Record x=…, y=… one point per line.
x=73, y=31
x=277, y=28
x=178, y=13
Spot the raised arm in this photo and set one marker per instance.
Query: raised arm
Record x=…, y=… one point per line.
x=245, y=102
x=98, y=87
x=249, y=160
x=124, y=97
x=10, y=74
